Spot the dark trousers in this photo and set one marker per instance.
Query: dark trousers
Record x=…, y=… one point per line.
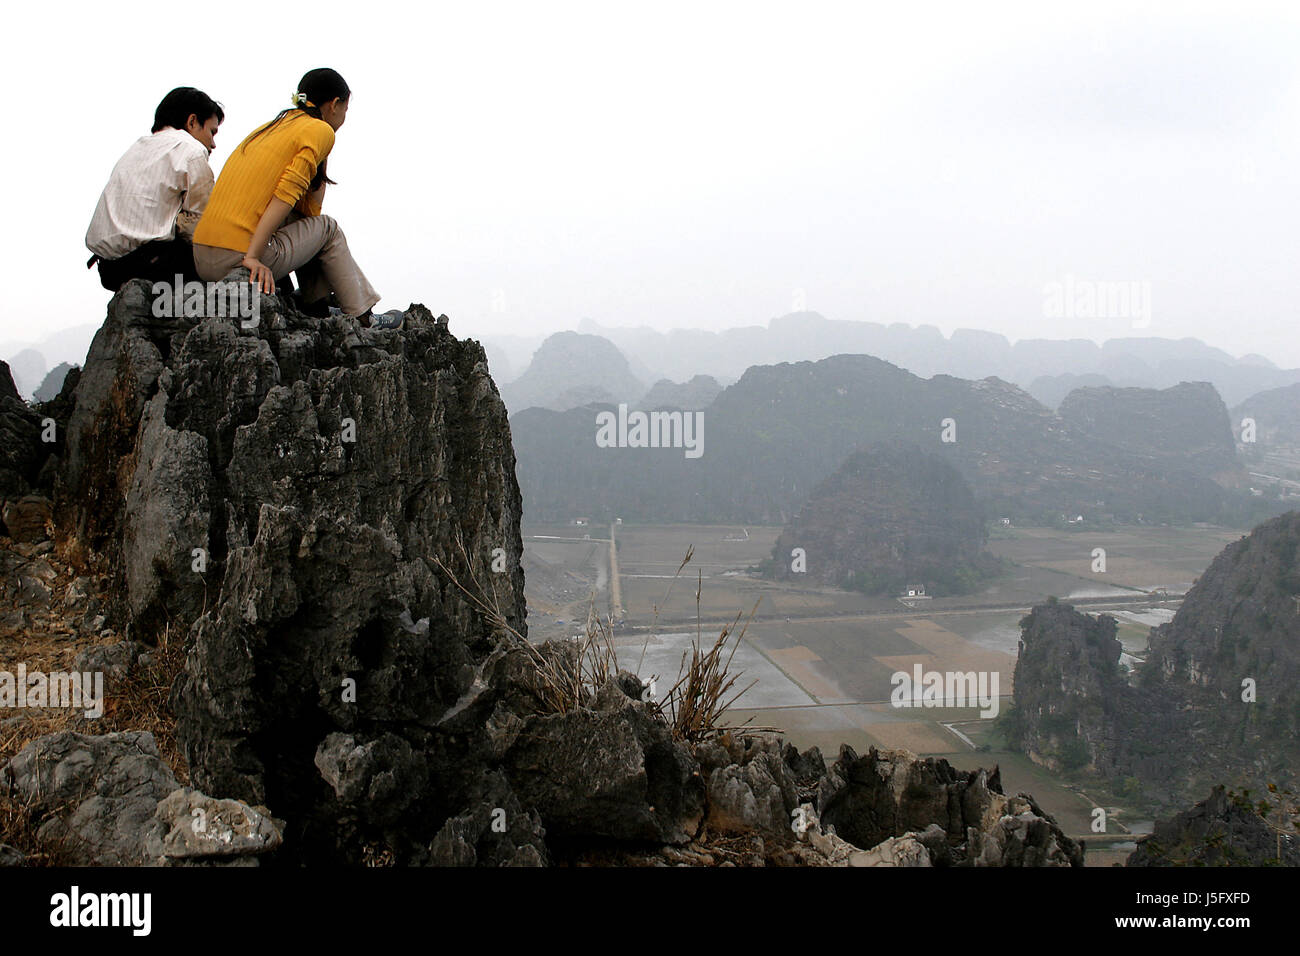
x=158, y=261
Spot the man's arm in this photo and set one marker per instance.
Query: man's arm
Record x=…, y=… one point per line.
x=198, y=189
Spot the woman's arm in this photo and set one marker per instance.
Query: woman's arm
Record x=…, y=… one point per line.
x=260, y=275
x=312, y=203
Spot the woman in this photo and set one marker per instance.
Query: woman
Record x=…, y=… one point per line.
x=264, y=212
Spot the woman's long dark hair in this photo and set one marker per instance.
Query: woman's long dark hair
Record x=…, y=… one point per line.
x=316, y=87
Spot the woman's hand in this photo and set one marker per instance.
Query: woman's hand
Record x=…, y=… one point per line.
x=259, y=274
x=277, y=210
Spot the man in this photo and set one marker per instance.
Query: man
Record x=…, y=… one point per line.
x=147, y=213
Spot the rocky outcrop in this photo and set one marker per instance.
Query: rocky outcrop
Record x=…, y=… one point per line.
x=21, y=451
x=609, y=770
x=495, y=830
x=875, y=798
x=286, y=494
x=1215, y=699
x=1068, y=687
x=1222, y=830
x=110, y=801
x=1229, y=662
x=750, y=785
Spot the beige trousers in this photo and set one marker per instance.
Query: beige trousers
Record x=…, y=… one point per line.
x=312, y=246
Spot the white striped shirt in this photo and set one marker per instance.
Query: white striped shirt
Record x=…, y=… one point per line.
x=163, y=181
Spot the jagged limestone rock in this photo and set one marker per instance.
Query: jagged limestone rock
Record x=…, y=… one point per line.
x=286, y=494
x=609, y=771
x=495, y=830
x=22, y=453
x=1222, y=830
x=1223, y=673
x=896, y=851
x=750, y=787
x=887, y=794
x=91, y=797
x=195, y=827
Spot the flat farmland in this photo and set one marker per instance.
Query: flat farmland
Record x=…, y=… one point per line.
x=1136, y=558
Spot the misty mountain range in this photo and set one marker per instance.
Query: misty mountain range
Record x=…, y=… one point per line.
x=1048, y=369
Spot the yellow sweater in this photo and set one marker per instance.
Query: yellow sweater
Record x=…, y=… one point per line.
x=280, y=163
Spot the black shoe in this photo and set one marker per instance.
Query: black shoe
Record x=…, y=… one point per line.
x=320, y=309
x=389, y=321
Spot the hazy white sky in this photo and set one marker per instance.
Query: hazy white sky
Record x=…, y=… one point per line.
x=522, y=166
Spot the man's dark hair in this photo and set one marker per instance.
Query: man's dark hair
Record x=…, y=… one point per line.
x=178, y=105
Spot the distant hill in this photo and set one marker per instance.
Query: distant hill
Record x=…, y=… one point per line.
x=68, y=345
x=772, y=436
x=1276, y=413
x=53, y=382
x=571, y=369
x=503, y=369
x=891, y=517
x=1052, y=389
x=699, y=392
x=1186, y=426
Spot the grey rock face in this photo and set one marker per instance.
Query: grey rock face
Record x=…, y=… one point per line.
x=286, y=494
x=872, y=799
x=196, y=828
x=116, y=661
x=21, y=450
x=93, y=796
x=110, y=801
x=750, y=787
x=1222, y=830
x=607, y=771
x=494, y=831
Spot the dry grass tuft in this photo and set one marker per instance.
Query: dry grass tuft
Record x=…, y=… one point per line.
x=693, y=708
x=568, y=682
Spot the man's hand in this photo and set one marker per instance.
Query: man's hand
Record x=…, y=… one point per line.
x=259, y=275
